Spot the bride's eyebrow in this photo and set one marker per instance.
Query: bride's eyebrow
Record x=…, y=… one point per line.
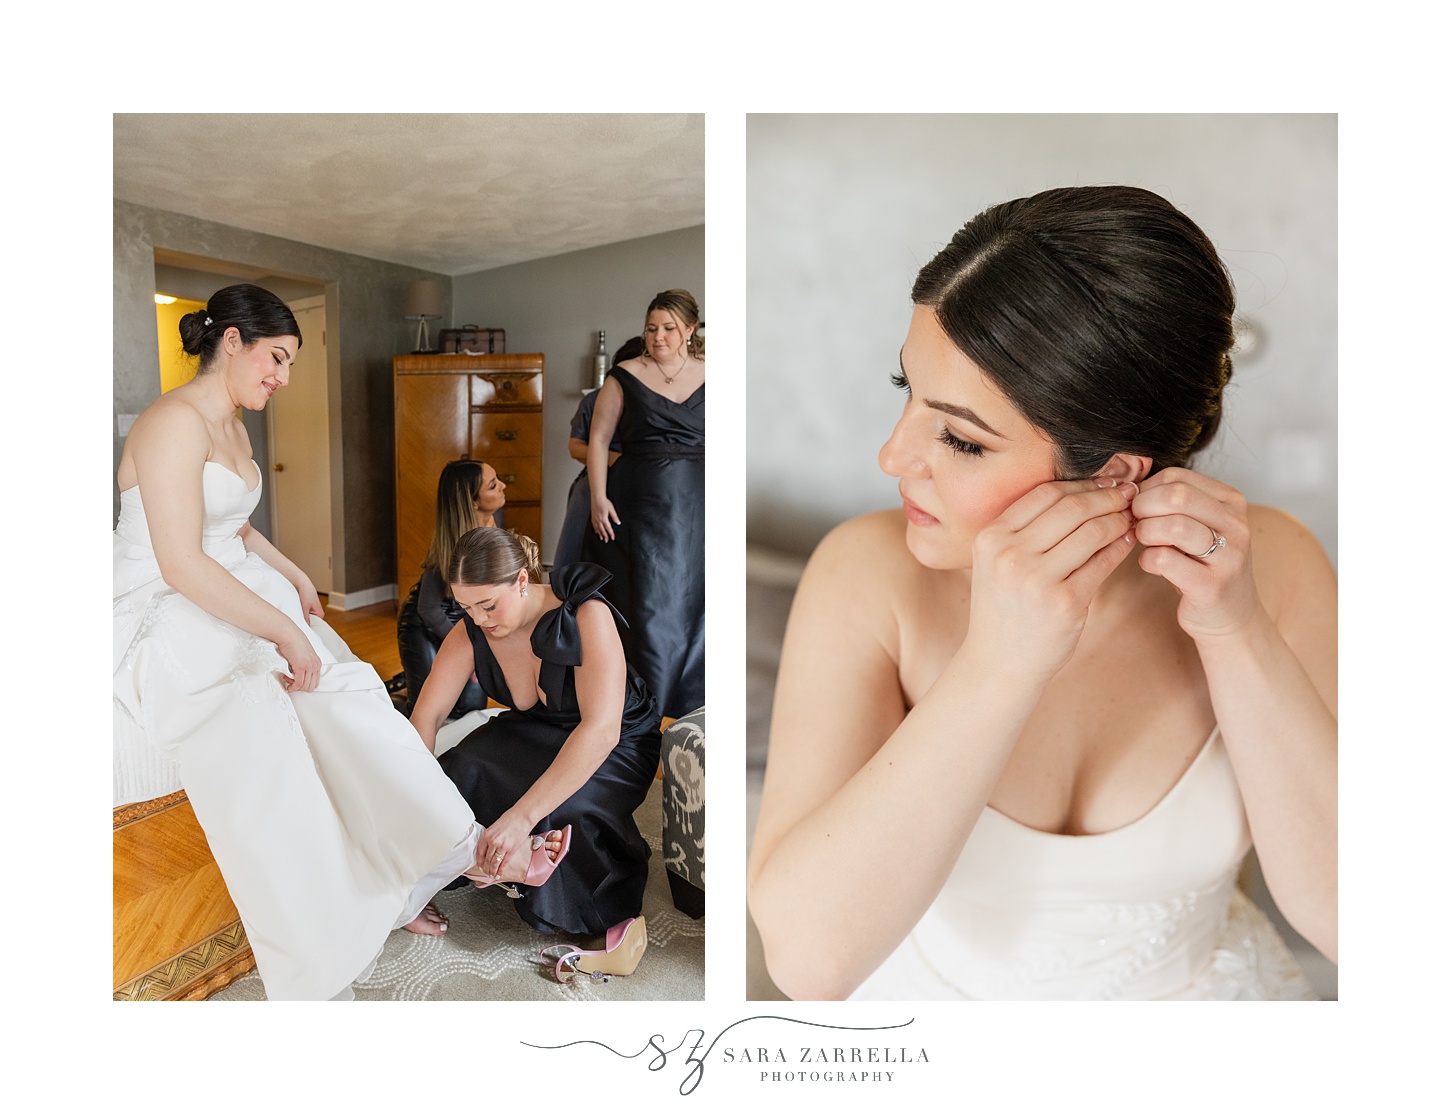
x=952, y=408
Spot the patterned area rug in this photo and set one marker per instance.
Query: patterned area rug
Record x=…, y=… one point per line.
x=490, y=954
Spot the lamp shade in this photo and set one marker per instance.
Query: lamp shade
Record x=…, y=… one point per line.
x=423, y=299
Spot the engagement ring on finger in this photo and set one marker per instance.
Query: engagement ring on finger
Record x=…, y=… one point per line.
x=1219, y=543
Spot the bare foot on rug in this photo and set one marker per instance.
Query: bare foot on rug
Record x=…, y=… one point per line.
x=517, y=867
x=430, y=922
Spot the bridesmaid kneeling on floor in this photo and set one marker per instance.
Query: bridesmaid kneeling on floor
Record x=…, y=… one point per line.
x=578, y=743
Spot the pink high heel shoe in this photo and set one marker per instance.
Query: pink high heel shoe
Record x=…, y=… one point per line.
x=541, y=866
x=624, y=945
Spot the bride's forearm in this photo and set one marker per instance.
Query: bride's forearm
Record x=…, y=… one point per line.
x=863, y=866
x=215, y=590
x=256, y=543
x=1281, y=737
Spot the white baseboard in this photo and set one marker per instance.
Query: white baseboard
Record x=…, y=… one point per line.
x=364, y=597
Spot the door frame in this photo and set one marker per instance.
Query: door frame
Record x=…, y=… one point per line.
x=312, y=302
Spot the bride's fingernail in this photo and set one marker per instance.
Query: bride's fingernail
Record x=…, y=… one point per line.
x=1130, y=484
x=1105, y=483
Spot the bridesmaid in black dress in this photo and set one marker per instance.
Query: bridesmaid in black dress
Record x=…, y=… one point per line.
x=578, y=744
x=648, y=511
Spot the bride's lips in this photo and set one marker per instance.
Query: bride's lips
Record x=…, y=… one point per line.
x=915, y=514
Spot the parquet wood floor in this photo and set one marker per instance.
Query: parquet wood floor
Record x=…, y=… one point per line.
x=371, y=633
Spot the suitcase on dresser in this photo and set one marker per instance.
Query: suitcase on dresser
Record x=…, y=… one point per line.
x=472, y=340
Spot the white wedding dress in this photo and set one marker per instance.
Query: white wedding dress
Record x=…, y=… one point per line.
x=1147, y=911
x=331, y=822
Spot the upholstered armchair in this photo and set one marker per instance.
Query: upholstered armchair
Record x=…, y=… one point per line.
x=682, y=758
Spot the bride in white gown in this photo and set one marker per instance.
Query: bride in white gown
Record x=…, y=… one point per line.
x=1028, y=724
x=331, y=822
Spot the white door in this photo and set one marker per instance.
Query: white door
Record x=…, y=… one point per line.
x=297, y=418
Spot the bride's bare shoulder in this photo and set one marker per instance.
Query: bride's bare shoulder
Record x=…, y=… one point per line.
x=1290, y=564
x=171, y=418
x=869, y=552
x=168, y=432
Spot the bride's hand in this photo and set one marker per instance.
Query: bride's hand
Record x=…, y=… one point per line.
x=1182, y=517
x=302, y=659
x=602, y=514
x=1036, y=568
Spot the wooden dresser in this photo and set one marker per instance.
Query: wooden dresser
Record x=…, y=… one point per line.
x=490, y=408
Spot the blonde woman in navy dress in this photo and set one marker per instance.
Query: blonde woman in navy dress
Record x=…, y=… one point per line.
x=648, y=510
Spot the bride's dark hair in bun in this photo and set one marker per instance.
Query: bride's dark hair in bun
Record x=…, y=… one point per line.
x=255, y=313
x=1102, y=313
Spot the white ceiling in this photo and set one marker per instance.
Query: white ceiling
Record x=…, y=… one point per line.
x=447, y=193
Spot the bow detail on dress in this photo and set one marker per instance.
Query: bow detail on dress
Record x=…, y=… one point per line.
x=556, y=636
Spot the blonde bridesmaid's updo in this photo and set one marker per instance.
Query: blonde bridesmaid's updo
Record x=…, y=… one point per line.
x=680, y=304
x=489, y=555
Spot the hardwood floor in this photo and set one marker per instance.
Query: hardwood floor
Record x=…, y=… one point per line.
x=371, y=633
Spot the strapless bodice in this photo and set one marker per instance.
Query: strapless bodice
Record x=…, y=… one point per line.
x=1131, y=913
x=227, y=503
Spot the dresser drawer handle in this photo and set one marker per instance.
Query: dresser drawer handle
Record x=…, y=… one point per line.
x=507, y=434
x=508, y=477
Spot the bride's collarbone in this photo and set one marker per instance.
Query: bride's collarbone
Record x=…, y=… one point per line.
x=1111, y=733
x=230, y=446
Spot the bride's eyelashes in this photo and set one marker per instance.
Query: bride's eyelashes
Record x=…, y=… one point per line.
x=946, y=436
x=957, y=444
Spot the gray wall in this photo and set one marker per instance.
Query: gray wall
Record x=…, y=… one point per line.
x=843, y=210
x=365, y=330
x=557, y=306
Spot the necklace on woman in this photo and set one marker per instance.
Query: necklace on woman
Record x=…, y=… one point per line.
x=669, y=379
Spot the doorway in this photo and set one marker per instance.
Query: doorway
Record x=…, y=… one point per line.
x=303, y=529
x=297, y=432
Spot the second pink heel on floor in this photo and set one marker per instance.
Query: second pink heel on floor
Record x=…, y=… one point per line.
x=624, y=945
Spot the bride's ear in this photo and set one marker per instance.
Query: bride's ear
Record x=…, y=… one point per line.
x=1126, y=467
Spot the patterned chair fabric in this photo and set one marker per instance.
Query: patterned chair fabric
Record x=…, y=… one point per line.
x=683, y=823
